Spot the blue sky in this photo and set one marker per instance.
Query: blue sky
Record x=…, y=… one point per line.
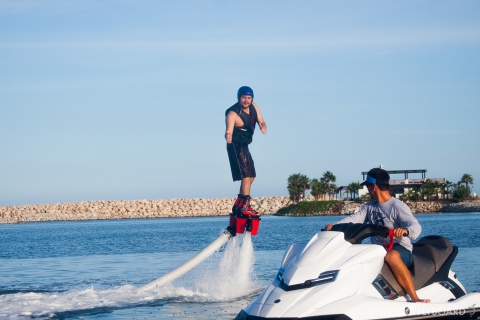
x=110, y=100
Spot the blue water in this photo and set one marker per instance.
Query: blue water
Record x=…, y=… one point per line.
x=91, y=269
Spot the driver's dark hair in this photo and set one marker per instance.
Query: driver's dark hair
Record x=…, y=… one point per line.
x=383, y=187
x=382, y=177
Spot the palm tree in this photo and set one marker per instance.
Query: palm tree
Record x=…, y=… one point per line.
x=436, y=187
x=353, y=188
x=467, y=179
x=427, y=188
x=366, y=197
x=314, y=183
x=328, y=177
x=319, y=187
x=447, y=188
x=293, y=187
x=332, y=190
x=461, y=193
x=304, y=185
x=411, y=194
x=339, y=191
x=298, y=184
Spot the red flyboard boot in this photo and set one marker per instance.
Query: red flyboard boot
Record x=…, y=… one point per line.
x=246, y=208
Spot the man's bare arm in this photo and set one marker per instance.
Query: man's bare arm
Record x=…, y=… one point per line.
x=229, y=123
x=261, y=122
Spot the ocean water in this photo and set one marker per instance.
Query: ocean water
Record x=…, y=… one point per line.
x=92, y=269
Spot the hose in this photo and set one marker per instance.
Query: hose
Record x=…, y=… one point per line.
x=190, y=264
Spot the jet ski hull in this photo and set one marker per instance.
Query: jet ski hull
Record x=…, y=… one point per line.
x=331, y=278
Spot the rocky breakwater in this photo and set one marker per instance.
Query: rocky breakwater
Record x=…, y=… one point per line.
x=350, y=207
x=441, y=206
x=466, y=206
x=444, y=206
x=427, y=206
x=132, y=209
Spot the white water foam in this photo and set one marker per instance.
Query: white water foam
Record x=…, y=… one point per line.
x=233, y=277
x=51, y=304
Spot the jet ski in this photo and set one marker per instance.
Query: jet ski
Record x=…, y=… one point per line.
x=336, y=277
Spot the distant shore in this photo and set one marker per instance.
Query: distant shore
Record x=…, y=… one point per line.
x=439, y=206
x=132, y=209
x=179, y=208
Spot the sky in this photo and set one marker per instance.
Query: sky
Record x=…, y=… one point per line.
x=124, y=100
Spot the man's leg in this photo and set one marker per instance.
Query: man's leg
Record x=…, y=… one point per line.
x=246, y=185
x=402, y=274
x=232, y=150
x=244, y=204
x=247, y=172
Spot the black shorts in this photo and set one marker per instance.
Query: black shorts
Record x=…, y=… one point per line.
x=241, y=162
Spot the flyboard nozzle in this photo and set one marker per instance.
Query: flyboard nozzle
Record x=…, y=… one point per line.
x=241, y=222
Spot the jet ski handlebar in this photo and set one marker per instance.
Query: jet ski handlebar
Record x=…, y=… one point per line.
x=355, y=233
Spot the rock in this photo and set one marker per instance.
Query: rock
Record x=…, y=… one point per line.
x=187, y=208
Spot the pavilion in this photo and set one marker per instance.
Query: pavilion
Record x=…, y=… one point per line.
x=399, y=186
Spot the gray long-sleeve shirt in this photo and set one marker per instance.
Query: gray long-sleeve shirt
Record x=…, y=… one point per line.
x=391, y=214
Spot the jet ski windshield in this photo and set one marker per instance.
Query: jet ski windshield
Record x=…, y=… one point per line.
x=355, y=233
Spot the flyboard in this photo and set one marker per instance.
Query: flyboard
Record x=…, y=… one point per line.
x=239, y=224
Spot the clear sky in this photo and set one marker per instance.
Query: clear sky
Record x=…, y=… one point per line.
x=112, y=100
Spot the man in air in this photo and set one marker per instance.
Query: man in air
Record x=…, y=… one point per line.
x=240, y=120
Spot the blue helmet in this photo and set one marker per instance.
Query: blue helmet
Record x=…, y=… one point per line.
x=244, y=91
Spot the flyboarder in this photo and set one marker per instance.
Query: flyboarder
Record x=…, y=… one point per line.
x=240, y=120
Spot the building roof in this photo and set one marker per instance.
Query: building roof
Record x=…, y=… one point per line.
x=402, y=171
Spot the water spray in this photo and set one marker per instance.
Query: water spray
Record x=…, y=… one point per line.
x=239, y=224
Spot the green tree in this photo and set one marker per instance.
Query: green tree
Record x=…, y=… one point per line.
x=298, y=184
x=347, y=192
x=447, y=187
x=292, y=187
x=316, y=189
x=353, y=189
x=427, y=189
x=366, y=197
x=339, y=191
x=461, y=193
x=319, y=188
x=331, y=191
x=305, y=185
x=437, y=187
x=411, y=194
x=328, y=177
x=467, y=179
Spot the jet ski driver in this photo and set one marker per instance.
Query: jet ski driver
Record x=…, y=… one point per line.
x=392, y=213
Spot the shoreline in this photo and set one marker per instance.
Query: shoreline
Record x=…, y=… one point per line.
x=186, y=208
x=132, y=209
x=435, y=206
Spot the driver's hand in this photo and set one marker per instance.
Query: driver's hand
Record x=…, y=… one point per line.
x=399, y=232
x=328, y=227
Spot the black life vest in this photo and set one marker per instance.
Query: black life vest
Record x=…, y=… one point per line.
x=244, y=134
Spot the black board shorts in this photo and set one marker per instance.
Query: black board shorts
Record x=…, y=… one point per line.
x=241, y=162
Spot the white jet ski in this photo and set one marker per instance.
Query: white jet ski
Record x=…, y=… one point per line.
x=336, y=277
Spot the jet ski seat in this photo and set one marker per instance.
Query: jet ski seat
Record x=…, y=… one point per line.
x=432, y=259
